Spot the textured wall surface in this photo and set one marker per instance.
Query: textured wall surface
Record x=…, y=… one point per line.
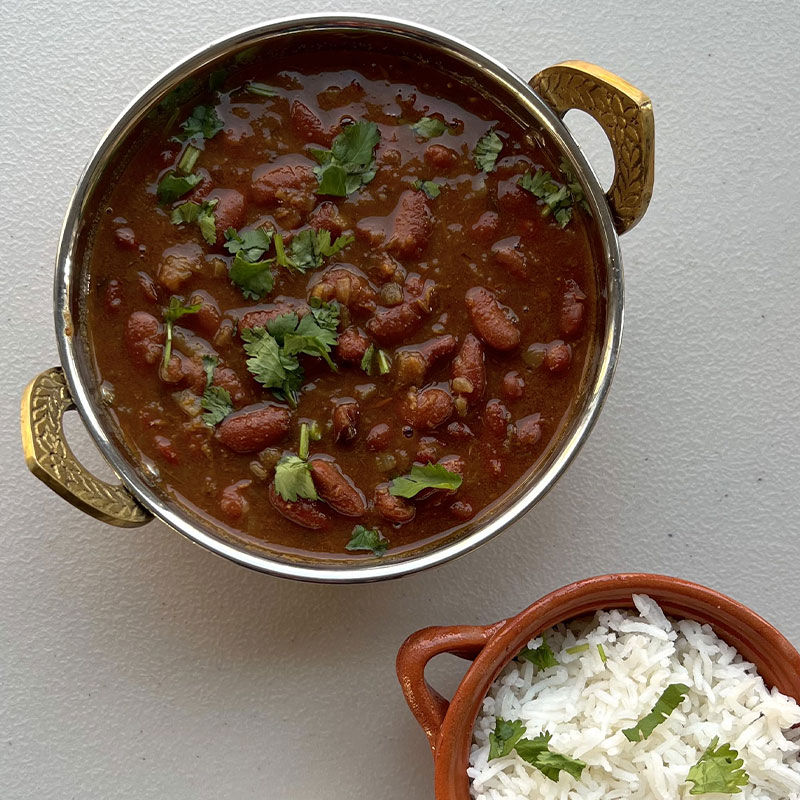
x=135, y=665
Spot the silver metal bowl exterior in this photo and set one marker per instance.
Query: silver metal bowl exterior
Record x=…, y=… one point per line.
x=67, y=281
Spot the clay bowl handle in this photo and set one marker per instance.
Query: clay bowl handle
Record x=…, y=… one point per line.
x=426, y=704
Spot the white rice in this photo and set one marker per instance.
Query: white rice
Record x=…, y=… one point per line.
x=585, y=704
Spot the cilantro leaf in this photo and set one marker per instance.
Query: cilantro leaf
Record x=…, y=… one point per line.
x=537, y=753
x=270, y=366
x=261, y=89
x=505, y=735
x=429, y=127
x=308, y=335
x=202, y=214
x=602, y=651
x=174, y=311
x=293, y=479
x=203, y=122
x=367, y=539
x=172, y=187
x=217, y=404
x=542, y=656
x=431, y=189
x=719, y=769
x=254, y=278
x=309, y=248
x=253, y=244
x=670, y=699
x=429, y=476
x=209, y=365
x=366, y=361
x=558, y=198
x=487, y=150
x=350, y=163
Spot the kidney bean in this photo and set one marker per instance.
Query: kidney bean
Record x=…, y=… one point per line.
x=253, y=428
x=485, y=227
x=229, y=211
x=513, y=387
x=179, y=264
x=379, y=437
x=288, y=185
x=166, y=449
x=263, y=316
x=232, y=503
x=572, y=311
x=496, y=418
x=347, y=287
x=414, y=362
x=114, y=295
x=338, y=96
x=144, y=338
x=557, y=357
x=427, y=409
x=345, y=421
x=207, y=318
x=529, y=430
x=396, y=510
x=308, y=126
x=440, y=158
x=512, y=197
x=509, y=258
x=336, y=489
x=452, y=463
x=393, y=325
x=306, y=513
x=229, y=380
x=428, y=450
x=326, y=216
x=459, y=431
x=493, y=322
x=411, y=225
x=351, y=346
x=202, y=190
x=125, y=239
x=469, y=366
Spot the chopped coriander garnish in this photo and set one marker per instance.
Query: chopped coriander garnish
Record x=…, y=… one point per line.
x=175, y=310
x=217, y=404
x=308, y=248
x=579, y=648
x=261, y=89
x=670, y=699
x=429, y=127
x=203, y=123
x=487, y=150
x=719, y=769
x=542, y=656
x=384, y=362
x=429, y=476
x=202, y=214
x=293, y=479
x=254, y=278
x=209, y=365
x=602, y=651
x=367, y=539
x=537, y=753
x=172, y=187
x=431, y=189
x=254, y=243
x=188, y=160
x=558, y=198
x=314, y=431
x=305, y=438
x=366, y=361
x=350, y=163
x=504, y=736
x=270, y=366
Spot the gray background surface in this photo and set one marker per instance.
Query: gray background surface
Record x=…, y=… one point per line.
x=135, y=665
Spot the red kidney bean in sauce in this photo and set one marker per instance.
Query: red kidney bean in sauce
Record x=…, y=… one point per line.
x=466, y=317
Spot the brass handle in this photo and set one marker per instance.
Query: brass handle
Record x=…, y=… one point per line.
x=426, y=704
x=50, y=459
x=626, y=116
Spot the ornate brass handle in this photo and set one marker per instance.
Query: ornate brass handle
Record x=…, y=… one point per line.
x=626, y=116
x=50, y=459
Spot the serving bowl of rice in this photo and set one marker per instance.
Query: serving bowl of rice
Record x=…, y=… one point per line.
x=620, y=687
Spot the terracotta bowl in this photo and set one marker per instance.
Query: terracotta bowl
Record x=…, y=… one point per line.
x=448, y=726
